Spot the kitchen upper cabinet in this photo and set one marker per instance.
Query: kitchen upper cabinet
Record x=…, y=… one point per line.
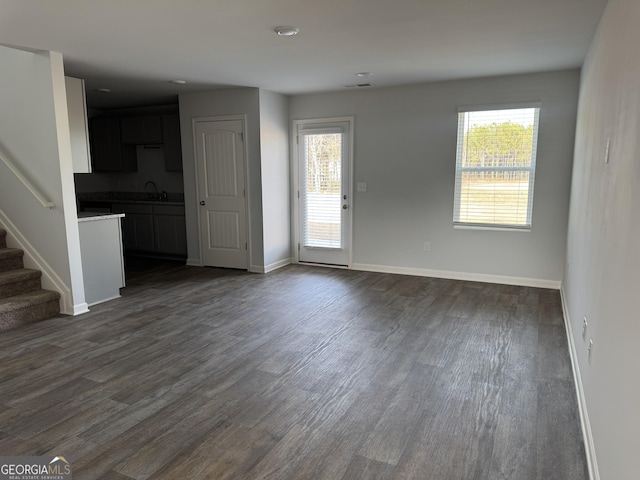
x=107, y=151
x=171, y=143
x=141, y=130
x=78, y=125
x=114, y=140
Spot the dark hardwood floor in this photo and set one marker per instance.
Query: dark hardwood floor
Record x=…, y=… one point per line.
x=304, y=373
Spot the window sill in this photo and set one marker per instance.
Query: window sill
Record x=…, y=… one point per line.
x=497, y=228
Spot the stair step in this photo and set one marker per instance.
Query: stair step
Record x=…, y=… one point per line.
x=3, y=238
x=27, y=308
x=10, y=259
x=15, y=282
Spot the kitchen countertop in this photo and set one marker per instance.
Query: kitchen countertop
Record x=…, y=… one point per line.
x=131, y=197
x=92, y=216
x=148, y=202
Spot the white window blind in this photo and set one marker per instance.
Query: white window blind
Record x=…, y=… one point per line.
x=322, y=177
x=495, y=167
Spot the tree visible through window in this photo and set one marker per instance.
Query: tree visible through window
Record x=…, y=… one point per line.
x=322, y=168
x=495, y=167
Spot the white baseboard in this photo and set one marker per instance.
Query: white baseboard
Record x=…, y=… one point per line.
x=193, y=262
x=590, y=451
x=271, y=267
x=279, y=264
x=471, y=277
x=79, y=309
x=104, y=300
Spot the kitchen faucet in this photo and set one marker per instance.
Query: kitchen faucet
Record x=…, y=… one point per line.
x=154, y=195
x=163, y=196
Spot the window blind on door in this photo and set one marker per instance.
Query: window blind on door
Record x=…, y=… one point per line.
x=322, y=187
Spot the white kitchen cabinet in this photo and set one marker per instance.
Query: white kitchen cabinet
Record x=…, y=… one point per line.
x=78, y=125
x=101, y=253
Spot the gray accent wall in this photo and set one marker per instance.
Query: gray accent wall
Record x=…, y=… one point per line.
x=602, y=278
x=276, y=210
x=266, y=143
x=405, y=151
x=236, y=101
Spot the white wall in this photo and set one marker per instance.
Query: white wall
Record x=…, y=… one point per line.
x=237, y=101
x=405, y=148
x=274, y=145
x=602, y=275
x=34, y=133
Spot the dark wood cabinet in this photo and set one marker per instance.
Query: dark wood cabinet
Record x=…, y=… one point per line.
x=171, y=143
x=108, y=154
x=114, y=141
x=141, y=130
x=153, y=230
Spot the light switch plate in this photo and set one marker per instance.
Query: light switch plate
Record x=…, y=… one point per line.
x=361, y=187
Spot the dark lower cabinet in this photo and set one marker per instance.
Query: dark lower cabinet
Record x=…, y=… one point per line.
x=153, y=230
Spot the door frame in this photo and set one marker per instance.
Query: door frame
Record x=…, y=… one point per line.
x=222, y=118
x=295, y=196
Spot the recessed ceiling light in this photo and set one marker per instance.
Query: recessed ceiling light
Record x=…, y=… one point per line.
x=178, y=82
x=103, y=90
x=286, y=31
x=363, y=74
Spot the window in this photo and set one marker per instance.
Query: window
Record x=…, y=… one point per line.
x=495, y=166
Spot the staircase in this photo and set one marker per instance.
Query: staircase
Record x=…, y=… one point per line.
x=22, y=300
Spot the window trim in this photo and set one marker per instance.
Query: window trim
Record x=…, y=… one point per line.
x=459, y=170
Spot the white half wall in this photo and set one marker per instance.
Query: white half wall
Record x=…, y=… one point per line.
x=405, y=152
x=602, y=276
x=34, y=134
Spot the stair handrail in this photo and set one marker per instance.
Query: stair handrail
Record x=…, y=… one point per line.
x=25, y=181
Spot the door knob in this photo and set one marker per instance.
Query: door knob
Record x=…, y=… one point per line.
x=202, y=202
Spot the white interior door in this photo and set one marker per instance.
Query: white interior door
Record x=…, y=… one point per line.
x=324, y=215
x=221, y=190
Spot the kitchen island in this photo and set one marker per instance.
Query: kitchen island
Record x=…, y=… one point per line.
x=101, y=252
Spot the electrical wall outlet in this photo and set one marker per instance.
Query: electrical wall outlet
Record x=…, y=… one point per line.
x=427, y=246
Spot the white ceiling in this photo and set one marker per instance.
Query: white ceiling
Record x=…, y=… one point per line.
x=134, y=47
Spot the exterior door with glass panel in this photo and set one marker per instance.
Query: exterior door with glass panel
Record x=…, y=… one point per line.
x=324, y=194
